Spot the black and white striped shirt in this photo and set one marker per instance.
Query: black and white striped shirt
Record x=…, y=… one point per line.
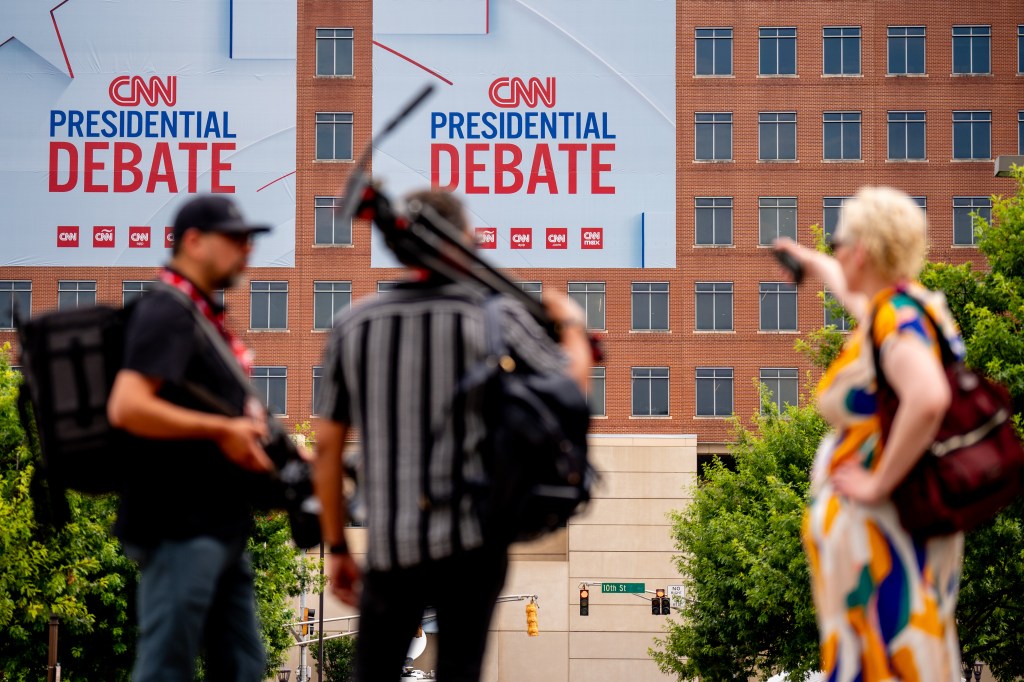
x=392, y=368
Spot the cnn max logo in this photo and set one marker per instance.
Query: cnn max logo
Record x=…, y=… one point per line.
x=103, y=237
x=556, y=238
x=592, y=238
x=509, y=93
x=130, y=91
x=521, y=238
x=487, y=237
x=67, y=236
x=168, y=237
x=138, y=237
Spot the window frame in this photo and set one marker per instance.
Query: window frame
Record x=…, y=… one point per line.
x=842, y=324
x=906, y=37
x=718, y=379
x=652, y=295
x=715, y=290
x=846, y=118
x=598, y=376
x=777, y=209
x=831, y=204
x=269, y=292
x=906, y=122
x=842, y=38
x=534, y=289
x=321, y=119
x=338, y=287
x=776, y=395
x=716, y=205
x=971, y=123
x=970, y=37
x=144, y=286
x=713, y=125
x=589, y=289
x=776, y=39
x=335, y=40
x=775, y=120
x=1020, y=49
x=78, y=290
x=331, y=205
x=1020, y=133
x=316, y=387
x=973, y=203
x=663, y=375
x=782, y=291
x=268, y=373
x=11, y=288
x=714, y=41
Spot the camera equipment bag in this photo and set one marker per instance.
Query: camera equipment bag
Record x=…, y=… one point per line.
x=69, y=361
x=535, y=451
x=974, y=467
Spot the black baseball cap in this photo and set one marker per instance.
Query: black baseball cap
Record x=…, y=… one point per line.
x=213, y=213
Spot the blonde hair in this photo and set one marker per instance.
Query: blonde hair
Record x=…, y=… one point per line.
x=890, y=226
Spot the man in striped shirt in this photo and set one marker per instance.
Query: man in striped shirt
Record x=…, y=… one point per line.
x=391, y=371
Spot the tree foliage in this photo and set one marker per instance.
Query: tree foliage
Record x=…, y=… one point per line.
x=749, y=610
x=339, y=656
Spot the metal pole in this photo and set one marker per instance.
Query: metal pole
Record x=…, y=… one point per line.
x=51, y=664
x=320, y=617
x=301, y=677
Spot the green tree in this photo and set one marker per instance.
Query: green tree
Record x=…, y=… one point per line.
x=748, y=609
x=339, y=654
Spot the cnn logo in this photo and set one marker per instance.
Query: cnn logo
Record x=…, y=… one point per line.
x=103, y=237
x=557, y=238
x=130, y=91
x=592, y=238
x=522, y=238
x=168, y=237
x=138, y=237
x=487, y=237
x=67, y=236
x=509, y=93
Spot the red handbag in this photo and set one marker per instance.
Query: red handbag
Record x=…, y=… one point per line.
x=974, y=467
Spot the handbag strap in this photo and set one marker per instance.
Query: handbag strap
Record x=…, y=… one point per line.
x=948, y=358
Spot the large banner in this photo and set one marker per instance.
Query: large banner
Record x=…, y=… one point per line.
x=554, y=119
x=112, y=112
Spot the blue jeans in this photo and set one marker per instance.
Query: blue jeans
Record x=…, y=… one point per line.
x=196, y=594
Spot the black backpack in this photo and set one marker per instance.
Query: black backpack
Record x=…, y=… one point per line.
x=535, y=452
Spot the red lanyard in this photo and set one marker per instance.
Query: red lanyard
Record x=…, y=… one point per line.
x=241, y=353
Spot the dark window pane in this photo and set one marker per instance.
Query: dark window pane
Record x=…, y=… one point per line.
x=324, y=57
x=851, y=140
x=787, y=56
x=980, y=55
x=851, y=55
x=641, y=311
x=915, y=55
x=961, y=55
x=980, y=141
x=897, y=55
x=324, y=140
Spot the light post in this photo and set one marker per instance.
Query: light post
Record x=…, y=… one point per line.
x=284, y=674
x=977, y=671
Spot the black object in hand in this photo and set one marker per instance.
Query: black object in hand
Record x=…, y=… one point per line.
x=789, y=261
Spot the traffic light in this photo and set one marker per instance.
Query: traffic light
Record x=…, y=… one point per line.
x=532, y=629
x=666, y=606
x=308, y=628
x=660, y=603
x=584, y=601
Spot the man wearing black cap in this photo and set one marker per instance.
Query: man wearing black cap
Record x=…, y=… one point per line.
x=186, y=518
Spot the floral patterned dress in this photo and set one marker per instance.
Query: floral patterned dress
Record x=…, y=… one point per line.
x=885, y=603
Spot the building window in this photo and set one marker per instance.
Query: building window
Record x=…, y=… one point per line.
x=329, y=298
x=841, y=45
x=778, y=307
x=776, y=217
x=972, y=135
x=318, y=374
x=650, y=391
x=714, y=391
x=782, y=386
x=534, y=289
x=776, y=133
x=963, y=220
x=906, y=135
x=712, y=137
x=271, y=385
x=650, y=306
x=713, y=51
x=590, y=297
x=334, y=51
x=906, y=50
x=777, y=51
x=1020, y=133
x=972, y=50
x=217, y=296
x=922, y=202
x=714, y=306
x=131, y=291
x=596, y=391
x=841, y=135
x=1020, y=48
x=268, y=305
x=835, y=315
x=385, y=286
x=75, y=294
x=712, y=218
x=15, y=302
x=334, y=136
x=831, y=213
x=330, y=228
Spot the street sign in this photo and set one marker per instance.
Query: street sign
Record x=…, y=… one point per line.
x=675, y=593
x=625, y=588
